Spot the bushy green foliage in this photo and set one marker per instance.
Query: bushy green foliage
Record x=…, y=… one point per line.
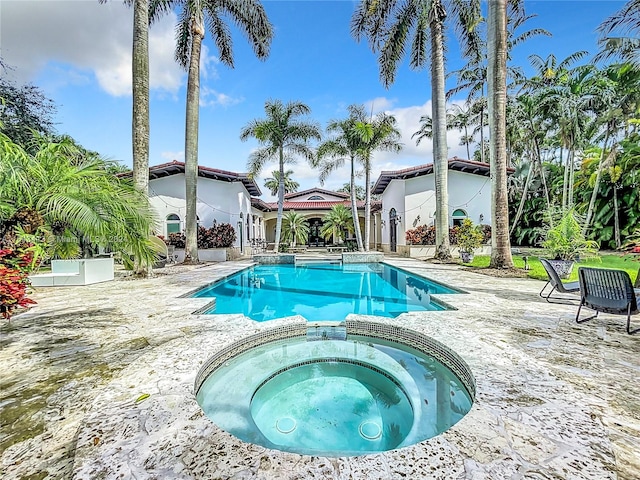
x=220, y=235
x=565, y=240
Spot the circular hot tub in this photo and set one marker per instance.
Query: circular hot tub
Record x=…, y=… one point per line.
x=335, y=389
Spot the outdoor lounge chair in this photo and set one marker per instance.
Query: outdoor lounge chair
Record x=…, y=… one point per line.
x=558, y=286
x=607, y=291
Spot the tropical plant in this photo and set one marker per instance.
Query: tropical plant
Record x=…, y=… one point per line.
x=220, y=235
x=16, y=261
x=282, y=136
x=469, y=236
x=344, y=145
x=497, y=96
x=379, y=133
x=247, y=15
x=295, y=228
x=626, y=46
x=388, y=24
x=140, y=93
x=566, y=241
x=273, y=182
x=346, y=188
x=63, y=199
x=337, y=224
x=24, y=110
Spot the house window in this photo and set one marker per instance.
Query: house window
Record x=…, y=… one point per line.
x=458, y=216
x=316, y=197
x=173, y=224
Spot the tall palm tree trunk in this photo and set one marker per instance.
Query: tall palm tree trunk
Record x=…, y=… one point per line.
x=276, y=248
x=367, y=207
x=525, y=192
x=439, y=116
x=596, y=186
x=191, y=142
x=140, y=117
x=354, y=206
x=497, y=77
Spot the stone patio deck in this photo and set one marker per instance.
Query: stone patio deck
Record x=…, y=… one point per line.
x=555, y=400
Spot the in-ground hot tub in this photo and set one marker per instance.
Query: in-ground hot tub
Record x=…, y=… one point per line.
x=335, y=389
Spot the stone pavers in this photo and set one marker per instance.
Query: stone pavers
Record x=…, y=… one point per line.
x=97, y=382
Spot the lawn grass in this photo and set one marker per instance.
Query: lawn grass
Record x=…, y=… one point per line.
x=628, y=262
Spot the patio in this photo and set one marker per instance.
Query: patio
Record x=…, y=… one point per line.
x=555, y=399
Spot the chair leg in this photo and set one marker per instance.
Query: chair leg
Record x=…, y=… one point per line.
x=629, y=331
x=546, y=297
x=584, y=319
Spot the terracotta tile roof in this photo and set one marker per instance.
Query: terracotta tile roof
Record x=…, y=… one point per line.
x=316, y=190
x=175, y=167
x=321, y=205
x=455, y=163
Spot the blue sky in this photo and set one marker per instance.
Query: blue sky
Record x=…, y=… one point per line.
x=79, y=53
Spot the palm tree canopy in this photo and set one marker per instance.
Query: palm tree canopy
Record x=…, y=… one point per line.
x=248, y=16
x=273, y=182
x=338, y=221
x=295, y=228
x=75, y=195
x=280, y=132
x=626, y=46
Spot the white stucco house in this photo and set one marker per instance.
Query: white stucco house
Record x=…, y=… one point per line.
x=406, y=200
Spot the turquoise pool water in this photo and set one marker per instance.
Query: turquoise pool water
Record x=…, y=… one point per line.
x=323, y=292
x=334, y=397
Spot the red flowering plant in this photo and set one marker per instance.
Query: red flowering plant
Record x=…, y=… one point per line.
x=15, y=265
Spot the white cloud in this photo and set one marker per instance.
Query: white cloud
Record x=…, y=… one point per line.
x=170, y=156
x=97, y=39
x=210, y=97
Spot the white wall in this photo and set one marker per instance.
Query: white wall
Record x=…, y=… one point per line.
x=471, y=193
x=222, y=201
x=393, y=197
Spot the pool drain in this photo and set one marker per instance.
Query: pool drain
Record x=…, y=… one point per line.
x=286, y=425
x=370, y=430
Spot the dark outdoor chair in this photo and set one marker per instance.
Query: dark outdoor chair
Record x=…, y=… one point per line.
x=558, y=286
x=607, y=291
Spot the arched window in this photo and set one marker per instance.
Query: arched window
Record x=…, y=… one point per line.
x=458, y=216
x=316, y=197
x=173, y=223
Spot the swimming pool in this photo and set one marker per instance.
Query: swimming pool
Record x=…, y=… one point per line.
x=323, y=292
x=335, y=389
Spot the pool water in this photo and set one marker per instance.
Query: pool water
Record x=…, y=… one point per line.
x=334, y=397
x=323, y=292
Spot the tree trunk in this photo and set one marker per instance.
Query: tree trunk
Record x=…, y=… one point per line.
x=354, y=206
x=616, y=218
x=439, y=116
x=140, y=94
x=276, y=248
x=596, y=185
x=497, y=92
x=525, y=191
x=367, y=205
x=191, y=143
x=140, y=118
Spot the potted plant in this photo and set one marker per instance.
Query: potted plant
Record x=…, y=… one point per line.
x=470, y=238
x=566, y=243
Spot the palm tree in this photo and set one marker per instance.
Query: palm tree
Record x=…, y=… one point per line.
x=250, y=17
x=337, y=223
x=273, y=182
x=345, y=144
x=61, y=193
x=380, y=133
x=388, y=24
x=295, y=228
x=497, y=92
x=282, y=135
x=140, y=91
x=627, y=22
